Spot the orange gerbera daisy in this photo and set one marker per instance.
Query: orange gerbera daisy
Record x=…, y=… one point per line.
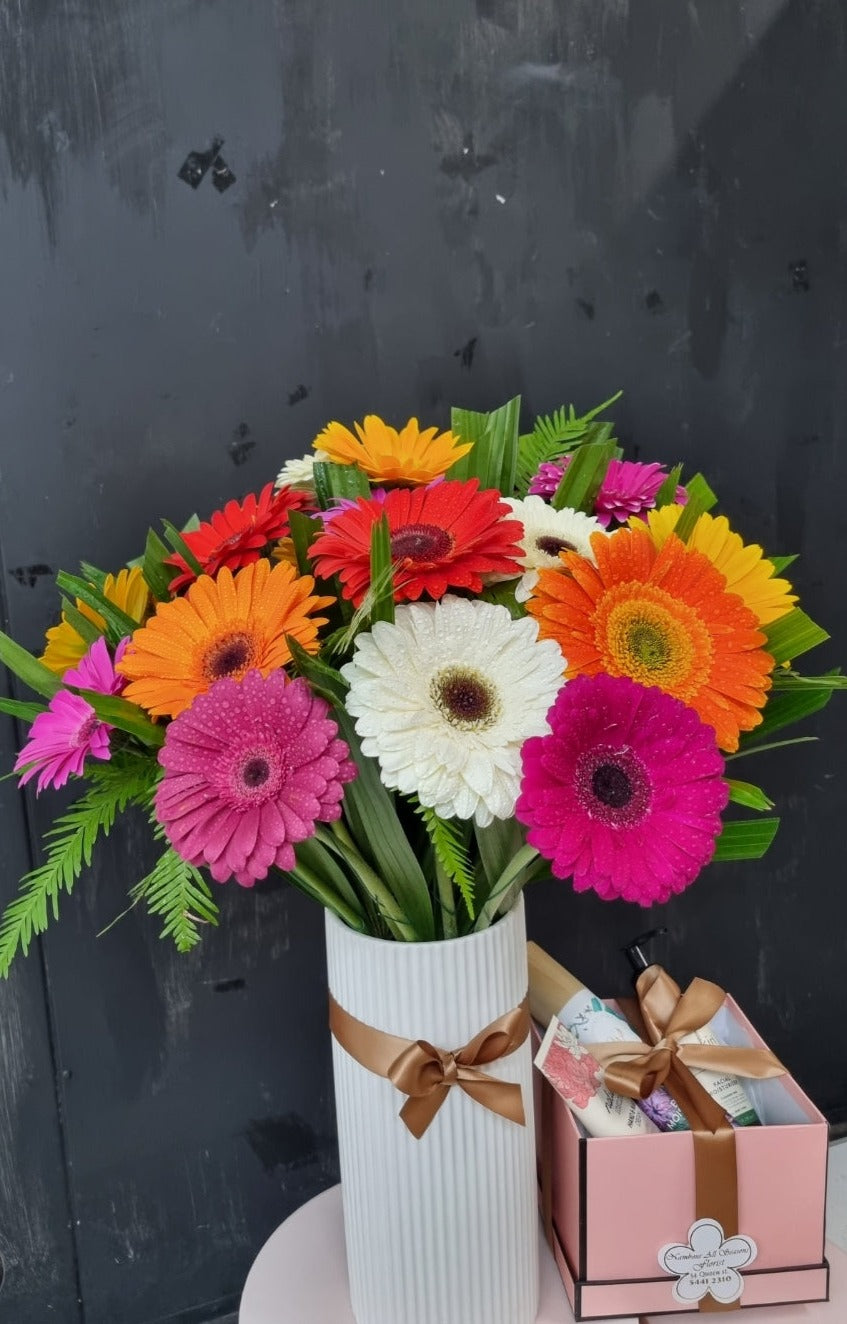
x=747, y=570
x=66, y=647
x=663, y=618
x=222, y=627
x=389, y=456
x=238, y=534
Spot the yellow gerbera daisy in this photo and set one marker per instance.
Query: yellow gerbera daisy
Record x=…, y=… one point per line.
x=224, y=626
x=746, y=569
x=66, y=647
x=389, y=456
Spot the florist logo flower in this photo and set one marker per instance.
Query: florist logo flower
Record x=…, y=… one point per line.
x=708, y=1264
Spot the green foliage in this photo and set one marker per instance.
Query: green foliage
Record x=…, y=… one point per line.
x=304, y=530
x=180, y=895
x=781, y=563
x=339, y=480
x=180, y=546
x=449, y=839
x=493, y=459
x=381, y=592
x=792, y=635
x=666, y=495
x=157, y=575
x=126, y=779
x=752, y=797
x=556, y=434
x=583, y=476
x=84, y=626
x=33, y=673
x=118, y=623
x=503, y=595
x=745, y=839
x=27, y=712
x=126, y=717
x=700, y=499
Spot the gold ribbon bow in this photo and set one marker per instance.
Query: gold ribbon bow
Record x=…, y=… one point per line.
x=637, y=1069
x=425, y=1073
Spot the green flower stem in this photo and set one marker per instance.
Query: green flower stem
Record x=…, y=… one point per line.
x=397, y=924
x=309, y=882
x=447, y=901
x=499, y=892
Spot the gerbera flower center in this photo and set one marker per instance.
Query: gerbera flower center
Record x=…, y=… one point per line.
x=465, y=699
x=230, y=655
x=86, y=730
x=552, y=546
x=252, y=774
x=612, y=785
x=256, y=772
x=655, y=639
x=420, y=542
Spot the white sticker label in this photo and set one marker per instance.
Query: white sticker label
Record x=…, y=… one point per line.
x=708, y=1264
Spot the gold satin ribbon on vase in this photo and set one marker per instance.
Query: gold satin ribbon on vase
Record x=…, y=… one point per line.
x=637, y=1069
x=426, y=1074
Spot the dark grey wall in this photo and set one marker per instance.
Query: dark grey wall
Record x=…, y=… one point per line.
x=434, y=203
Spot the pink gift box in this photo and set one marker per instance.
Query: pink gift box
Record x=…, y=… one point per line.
x=617, y=1201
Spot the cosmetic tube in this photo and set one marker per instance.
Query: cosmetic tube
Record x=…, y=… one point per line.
x=554, y=991
x=577, y=1079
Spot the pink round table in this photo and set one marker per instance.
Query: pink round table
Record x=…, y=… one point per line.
x=300, y=1277
x=300, y=1274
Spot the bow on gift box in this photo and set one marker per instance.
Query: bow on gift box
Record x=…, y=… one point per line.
x=426, y=1074
x=637, y=1069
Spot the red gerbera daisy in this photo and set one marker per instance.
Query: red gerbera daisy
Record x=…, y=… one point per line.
x=444, y=536
x=237, y=535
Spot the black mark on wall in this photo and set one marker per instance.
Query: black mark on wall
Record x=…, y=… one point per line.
x=241, y=446
x=196, y=166
x=299, y=393
x=799, y=272
x=466, y=352
x=28, y=575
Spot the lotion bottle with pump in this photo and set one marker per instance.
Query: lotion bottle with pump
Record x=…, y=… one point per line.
x=725, y=1089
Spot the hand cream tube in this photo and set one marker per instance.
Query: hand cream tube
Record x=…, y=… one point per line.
x=725, y=1089
x=554, y=991
x=577, y=1079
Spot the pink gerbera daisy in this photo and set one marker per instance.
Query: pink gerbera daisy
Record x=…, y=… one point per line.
x=61, y=738
x=96, y=671
x=625, y=794
x=627, y=489
x=250, y=767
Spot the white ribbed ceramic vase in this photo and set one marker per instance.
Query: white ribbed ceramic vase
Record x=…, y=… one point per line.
x=441, y=1230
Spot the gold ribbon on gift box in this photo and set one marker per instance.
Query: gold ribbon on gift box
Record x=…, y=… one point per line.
x=426, y=1074
x=636, y=1069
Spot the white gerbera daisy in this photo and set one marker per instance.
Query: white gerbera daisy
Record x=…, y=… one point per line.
x=547, y=532
x=445, y=698
x=300, y=473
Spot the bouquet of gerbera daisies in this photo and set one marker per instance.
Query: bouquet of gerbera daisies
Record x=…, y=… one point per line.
x=421, y=671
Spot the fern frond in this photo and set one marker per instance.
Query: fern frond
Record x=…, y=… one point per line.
x=555, y=435
x=127, y=779
x=451, y=850
x=179, y=893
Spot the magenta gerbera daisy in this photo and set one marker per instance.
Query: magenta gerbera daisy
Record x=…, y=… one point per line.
x=628, y=488
x=625, y=794
x=250, y=767
x=60, y=740
x=96, y=671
